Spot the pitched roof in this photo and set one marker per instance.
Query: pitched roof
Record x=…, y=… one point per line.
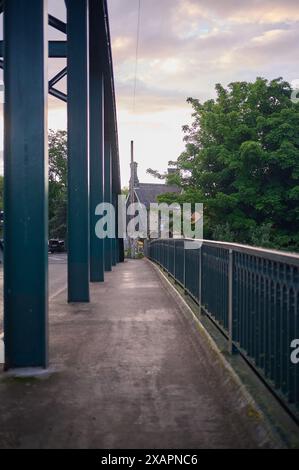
x=147, y=193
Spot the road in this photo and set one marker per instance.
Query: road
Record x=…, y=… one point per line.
x=57, y=279
x=57, y=273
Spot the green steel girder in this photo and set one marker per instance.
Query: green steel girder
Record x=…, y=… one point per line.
x=57, y=49
x=57, y=24
x=25, y=186
x=78, y=151
x=52, y=20
x=26, y=234
x=52, y=91
x=96, y=137
x=58, y=94
x=59, y=76
x=108, y=199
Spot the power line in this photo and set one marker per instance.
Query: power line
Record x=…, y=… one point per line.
x=136, y=56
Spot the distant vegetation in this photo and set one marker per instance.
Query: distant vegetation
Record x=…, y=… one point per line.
x=125, y=191
x=242, y=161
x=57, y=184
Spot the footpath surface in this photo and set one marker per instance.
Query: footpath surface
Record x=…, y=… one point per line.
x=127, y=372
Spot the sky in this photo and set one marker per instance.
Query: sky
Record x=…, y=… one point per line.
x=185, y=48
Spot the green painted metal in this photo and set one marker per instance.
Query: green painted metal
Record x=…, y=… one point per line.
x=251, y=294
x=26, y=185
x=108, y=199
x=96, y=80
x=57, y=24
x=78, y=135
x=26, y=174
x=117, y=246
x=114, y=240
x=121, y=250
x=56, y=49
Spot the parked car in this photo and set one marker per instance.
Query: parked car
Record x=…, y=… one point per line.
x=56, y=246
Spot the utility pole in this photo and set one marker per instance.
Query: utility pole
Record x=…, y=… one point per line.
x=132, y=198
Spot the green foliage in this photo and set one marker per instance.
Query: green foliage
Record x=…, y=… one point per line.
x=125, y=191
x=223, y=232
x=57, y=184
x=242, y=161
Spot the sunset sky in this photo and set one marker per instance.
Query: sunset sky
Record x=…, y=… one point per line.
x=186, y=46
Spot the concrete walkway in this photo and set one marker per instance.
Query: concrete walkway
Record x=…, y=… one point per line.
x=129, y=372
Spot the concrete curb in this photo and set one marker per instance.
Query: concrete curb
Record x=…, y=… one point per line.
x=246, y=404
x=29, y=373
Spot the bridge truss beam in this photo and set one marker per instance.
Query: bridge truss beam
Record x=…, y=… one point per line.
x=91, y=176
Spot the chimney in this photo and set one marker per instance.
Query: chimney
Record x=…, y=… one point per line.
x=133, y=166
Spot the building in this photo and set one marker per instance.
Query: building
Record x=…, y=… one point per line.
x=146, y=193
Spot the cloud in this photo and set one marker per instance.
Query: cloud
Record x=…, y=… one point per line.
x=186, y=46
x=239, y=11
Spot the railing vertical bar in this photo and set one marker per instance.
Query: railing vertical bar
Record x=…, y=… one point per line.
x=296, y=306
x=200, y=282
x=230, y=301
x=184, y=273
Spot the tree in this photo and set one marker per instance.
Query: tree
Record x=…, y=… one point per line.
x=57, y=184
x=125, y=191
x=242, y=161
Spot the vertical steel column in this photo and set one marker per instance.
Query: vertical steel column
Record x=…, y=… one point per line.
x=108, y=199
x=78, y=135
x=121, y=228
x=26, y=180
x=96, y=105
x=116, y=229
x=113, y=241
x=121, y=250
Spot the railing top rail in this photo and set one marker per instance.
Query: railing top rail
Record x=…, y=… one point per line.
x=274, y=255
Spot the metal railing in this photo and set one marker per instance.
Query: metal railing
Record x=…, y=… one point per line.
x=251, y=294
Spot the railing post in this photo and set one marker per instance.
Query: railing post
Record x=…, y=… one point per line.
x=174, y=261
x=230, y=300
x=200, y=281
x=184, y=251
